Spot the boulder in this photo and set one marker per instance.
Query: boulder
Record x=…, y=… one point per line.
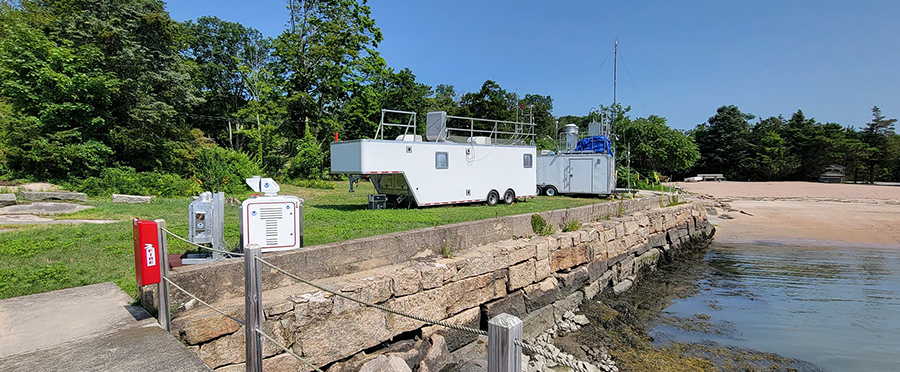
x=41, y=196
x=131, y=199
x=385, y=364
x=7, y=200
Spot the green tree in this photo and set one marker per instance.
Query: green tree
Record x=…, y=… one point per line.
x=724, y=144
x=327, y=53
x=309, y=162
x=771, y=160
x=654, y=146
x=490, y=102
x=59, y=103
x=876, y=135
x=230, y=65
x=94, y=84
x=541, y=109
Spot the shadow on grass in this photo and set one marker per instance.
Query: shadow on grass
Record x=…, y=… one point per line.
x=342, y=207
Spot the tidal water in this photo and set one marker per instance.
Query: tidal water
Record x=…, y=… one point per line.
x=835, y=307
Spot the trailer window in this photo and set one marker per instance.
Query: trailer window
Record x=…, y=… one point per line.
x=440, y=160
x=528, y=160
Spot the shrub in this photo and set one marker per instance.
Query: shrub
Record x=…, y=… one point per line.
x=314, y=184
x=573, y=225
x=125, y=180
x=540, y=226
x=310, y=160
x=219, y=169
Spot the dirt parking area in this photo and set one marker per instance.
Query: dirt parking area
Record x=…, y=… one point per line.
x=802, y=213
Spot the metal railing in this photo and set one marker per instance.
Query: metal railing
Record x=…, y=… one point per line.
x=411, y=123
x=521, y=132
x=505, y=332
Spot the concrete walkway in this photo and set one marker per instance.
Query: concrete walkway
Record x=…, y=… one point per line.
x=91, y=328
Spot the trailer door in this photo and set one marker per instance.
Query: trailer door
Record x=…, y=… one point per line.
x=580, y=175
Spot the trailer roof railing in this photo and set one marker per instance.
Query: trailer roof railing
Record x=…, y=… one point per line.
x=523, y=132
x=411, y=123
x=499, y=131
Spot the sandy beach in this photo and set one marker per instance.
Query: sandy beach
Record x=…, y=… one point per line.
x=802, y=213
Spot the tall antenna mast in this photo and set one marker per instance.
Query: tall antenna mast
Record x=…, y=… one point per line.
x=615, y=68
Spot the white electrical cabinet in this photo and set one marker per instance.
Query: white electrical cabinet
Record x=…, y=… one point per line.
x=274, y=222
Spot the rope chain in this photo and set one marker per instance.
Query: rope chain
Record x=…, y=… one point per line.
x=202, y=302
x=289, y=351
x=578, y=367
x=379, y=307
x=201, y=246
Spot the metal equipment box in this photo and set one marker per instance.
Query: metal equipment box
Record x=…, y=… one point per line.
x=377, y=201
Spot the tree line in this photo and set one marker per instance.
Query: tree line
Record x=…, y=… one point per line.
x=799, y=148
x=116, y=91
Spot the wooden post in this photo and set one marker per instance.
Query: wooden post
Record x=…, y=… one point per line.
x=503, y=353
x=253, y=308
x=163, y=286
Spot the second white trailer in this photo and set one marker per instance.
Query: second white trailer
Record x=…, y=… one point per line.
x=581, y=165
x=576, y=174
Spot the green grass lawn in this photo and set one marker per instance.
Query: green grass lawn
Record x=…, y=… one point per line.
x=42, y=258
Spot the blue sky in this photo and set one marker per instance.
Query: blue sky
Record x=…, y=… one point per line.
x=677, y=59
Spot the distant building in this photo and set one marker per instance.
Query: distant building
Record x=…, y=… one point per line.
x=833, y=174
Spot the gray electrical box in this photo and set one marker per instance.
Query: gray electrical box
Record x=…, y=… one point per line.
x=377, y=201
x=206, y=220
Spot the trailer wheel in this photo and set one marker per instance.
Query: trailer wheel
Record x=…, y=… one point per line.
x=493, y=198
x=538, y=191
x=550, y=191
x=509, y=196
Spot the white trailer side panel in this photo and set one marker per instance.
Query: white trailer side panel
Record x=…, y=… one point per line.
x=577, y=173
x=471, y=172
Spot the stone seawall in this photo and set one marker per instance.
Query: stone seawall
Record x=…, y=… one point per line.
x=537, y=278
x=224, y=280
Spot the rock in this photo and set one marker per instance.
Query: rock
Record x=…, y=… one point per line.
x=521, y=275
x=385, y=364
x=42, y=196
x=623, y=286
x=581, y=320
x=131, y=199
x=437, y=356
x=7, y=200
x=541, y=294
x=726, y=216
x=406, y=282
x=513, y=304
x=44, y=208
x=199, y=328
x=39, y=186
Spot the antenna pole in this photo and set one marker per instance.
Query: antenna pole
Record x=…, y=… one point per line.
x=615, y=69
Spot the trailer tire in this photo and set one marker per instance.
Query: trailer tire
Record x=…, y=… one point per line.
x=493, y=198
x=509, y=196
x=538, y=191
x=550, y=191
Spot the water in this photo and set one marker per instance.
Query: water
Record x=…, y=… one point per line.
x=838, y=308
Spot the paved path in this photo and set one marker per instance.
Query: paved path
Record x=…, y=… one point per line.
x=91, y=328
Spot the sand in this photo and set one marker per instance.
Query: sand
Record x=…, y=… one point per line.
x=802, y=213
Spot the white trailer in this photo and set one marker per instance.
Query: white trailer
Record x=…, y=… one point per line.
x=578, y=170
x=490, y=161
